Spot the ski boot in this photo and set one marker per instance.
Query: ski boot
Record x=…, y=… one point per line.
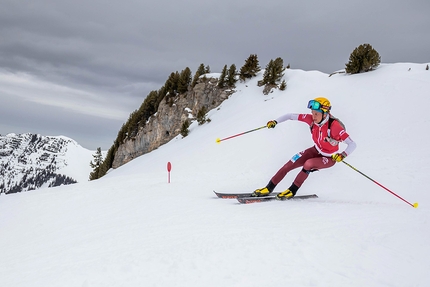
x=261, y=192
x=285, y=195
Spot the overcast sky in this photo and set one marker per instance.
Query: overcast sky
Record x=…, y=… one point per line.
x=79, y=68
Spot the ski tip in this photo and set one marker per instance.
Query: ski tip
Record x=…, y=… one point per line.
x=415, y=205
x=247, y=200
x=225, y=195
x=218, y=140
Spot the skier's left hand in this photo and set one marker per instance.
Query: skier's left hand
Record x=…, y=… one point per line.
x=271, y=124
x=338, y=157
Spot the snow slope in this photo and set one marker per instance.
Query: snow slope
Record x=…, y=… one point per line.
x=132, y=228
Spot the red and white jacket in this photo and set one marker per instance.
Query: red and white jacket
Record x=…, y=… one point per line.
x=327, y=144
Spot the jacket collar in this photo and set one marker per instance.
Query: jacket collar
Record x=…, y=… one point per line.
x=327, y=116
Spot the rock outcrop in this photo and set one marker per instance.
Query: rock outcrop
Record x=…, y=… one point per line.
x=166, y=123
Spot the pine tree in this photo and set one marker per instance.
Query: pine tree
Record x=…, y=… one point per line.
x=171, y=84
x=250, y=68
x=133, y=124
x=97, y=158
x=201, y=115
x=184, y=80
x=184, y=128
x=274, y=72
x=363, y=59
x=149, y=106
x=231, y=78
x=200, y=71
x=107, y=163
x=222, y=77
x=96, y=163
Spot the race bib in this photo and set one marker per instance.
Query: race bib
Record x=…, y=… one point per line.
x=296, y=157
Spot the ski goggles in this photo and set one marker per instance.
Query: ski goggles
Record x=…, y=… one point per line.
x=316, y=106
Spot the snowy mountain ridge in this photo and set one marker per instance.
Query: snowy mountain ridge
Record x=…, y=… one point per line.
x=30, y=161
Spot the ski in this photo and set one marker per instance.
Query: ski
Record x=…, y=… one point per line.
x=247, y=197
x=247, y=200
x=238, y=195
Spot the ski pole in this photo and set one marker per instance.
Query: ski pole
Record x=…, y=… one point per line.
x=415, y=205
x=218, y=140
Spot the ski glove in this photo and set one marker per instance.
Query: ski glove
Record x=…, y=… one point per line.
x=271, y=124
x=338, y=157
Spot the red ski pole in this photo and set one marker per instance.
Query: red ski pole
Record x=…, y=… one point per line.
x=218, y=140
x=415, y=205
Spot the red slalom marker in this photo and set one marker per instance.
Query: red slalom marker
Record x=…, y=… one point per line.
x=169, y=168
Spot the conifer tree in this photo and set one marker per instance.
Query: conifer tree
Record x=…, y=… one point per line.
x=96, y=163
x=107, y=163
x=200, y=71
x=201, y=115
x=222, y=77
x=250, y=68
x=97, y=158
x=184, y=128
x=133, y=124
x=231, y=78
x=363, y=59
x=171, y=84
x=274, y=72
x=184, y=80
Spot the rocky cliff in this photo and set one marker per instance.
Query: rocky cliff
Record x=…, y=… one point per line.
x=166, y=123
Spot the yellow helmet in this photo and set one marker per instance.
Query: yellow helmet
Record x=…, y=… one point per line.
x=320, y=104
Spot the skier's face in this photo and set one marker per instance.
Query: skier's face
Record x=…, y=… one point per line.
x=317, y=116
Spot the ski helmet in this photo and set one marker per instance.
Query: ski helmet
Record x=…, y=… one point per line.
x=320, y=104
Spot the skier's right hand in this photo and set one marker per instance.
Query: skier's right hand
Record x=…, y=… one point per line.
x=338, y=157
x=271, y=124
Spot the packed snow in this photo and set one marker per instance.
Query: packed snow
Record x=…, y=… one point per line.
x=133, y=228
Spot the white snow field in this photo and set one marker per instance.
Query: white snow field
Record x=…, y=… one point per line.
x=132, y=228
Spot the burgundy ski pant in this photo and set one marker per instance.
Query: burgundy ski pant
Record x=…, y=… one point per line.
x=310, y=159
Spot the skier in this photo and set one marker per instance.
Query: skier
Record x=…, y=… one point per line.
x=327, y=132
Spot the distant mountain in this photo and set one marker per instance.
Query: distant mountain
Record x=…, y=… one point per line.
x=31, y=161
